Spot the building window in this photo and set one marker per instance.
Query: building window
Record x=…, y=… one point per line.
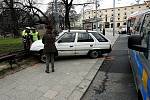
x=112, y=10
x=118, y=24
x=107, y=24
x=118, y=18
x=125, y=8
x=139, y=6
x=94, y=26
x=131, y=12
x=125, y=17
x=89, y=12
x=94, y=11
x=89, y=17
x=124, y=23
x=100, y=16
x=118, y=9
x=132, y=8
x=105, y=10
x=112, y=25
x=106, y=18
x=125, y=13
x=118, y=14
x=112, y=15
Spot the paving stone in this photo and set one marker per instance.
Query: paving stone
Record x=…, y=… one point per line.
x=4, y=97
x=50, y=94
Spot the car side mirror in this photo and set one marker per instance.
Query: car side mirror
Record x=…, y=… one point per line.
x=134, y=43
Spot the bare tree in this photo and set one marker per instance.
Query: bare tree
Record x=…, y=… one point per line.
x=19, y=14
x=60, y=8
x=67, y=10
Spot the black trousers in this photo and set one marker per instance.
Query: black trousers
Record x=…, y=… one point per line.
x=49, y=57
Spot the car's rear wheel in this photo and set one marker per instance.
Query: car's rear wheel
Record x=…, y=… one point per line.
x=94, y=54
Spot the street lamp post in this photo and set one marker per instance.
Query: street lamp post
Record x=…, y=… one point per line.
x=96, y=16
x=114, y=18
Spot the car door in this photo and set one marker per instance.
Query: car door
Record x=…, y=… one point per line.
x=84, y=43
x=66, y=44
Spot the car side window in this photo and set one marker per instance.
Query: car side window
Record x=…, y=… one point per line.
x=84, y=37
x=138, y=23
x=145, y=33
x=67, y=37
x=99, y=37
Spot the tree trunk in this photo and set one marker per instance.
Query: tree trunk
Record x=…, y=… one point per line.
x=67, y=21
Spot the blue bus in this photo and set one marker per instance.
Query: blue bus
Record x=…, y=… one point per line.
x=139, y=54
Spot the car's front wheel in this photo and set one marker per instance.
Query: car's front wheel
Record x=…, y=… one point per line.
x=94, y=54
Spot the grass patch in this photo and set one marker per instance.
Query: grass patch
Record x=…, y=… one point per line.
x=8, y=45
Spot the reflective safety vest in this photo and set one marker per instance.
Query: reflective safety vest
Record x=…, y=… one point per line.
x=35, y=36
x=24, y=33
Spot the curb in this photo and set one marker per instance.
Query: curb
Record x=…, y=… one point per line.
x=82, y=87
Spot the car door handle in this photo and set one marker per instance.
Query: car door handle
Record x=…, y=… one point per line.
x=91, y=45
x=71, y=46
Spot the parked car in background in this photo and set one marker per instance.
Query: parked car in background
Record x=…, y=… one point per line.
x=76, y=42
x=122, y=29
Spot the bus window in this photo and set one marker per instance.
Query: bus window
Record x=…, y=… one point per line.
x=137, y=24
x=144, y=33
x=130, y=23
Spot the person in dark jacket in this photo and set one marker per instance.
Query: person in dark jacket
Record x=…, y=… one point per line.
x=49, y=48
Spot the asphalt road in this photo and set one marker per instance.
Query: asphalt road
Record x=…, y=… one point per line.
x=114, y=80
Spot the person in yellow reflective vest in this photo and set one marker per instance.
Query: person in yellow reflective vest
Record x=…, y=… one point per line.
x=26, y=38
x=35, y=35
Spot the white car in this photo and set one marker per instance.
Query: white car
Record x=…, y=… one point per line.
x=76, y=42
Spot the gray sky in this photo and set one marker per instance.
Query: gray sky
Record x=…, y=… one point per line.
x=103, y=3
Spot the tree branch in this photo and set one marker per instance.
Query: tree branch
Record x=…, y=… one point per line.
x=70, y=4
x=39, y=11
x=64, y=2
x=7, y=3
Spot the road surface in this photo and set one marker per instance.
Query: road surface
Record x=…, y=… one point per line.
x=114, y=80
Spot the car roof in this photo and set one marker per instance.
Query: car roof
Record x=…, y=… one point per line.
x=61, y=33
x=78, y=31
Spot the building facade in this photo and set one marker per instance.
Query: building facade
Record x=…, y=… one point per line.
x=106, y=15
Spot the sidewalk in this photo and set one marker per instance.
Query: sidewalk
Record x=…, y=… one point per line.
x=70, y=80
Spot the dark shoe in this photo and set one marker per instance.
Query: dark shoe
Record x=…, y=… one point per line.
x=47, y=71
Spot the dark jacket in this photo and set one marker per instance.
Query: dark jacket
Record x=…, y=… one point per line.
x=49, y=43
